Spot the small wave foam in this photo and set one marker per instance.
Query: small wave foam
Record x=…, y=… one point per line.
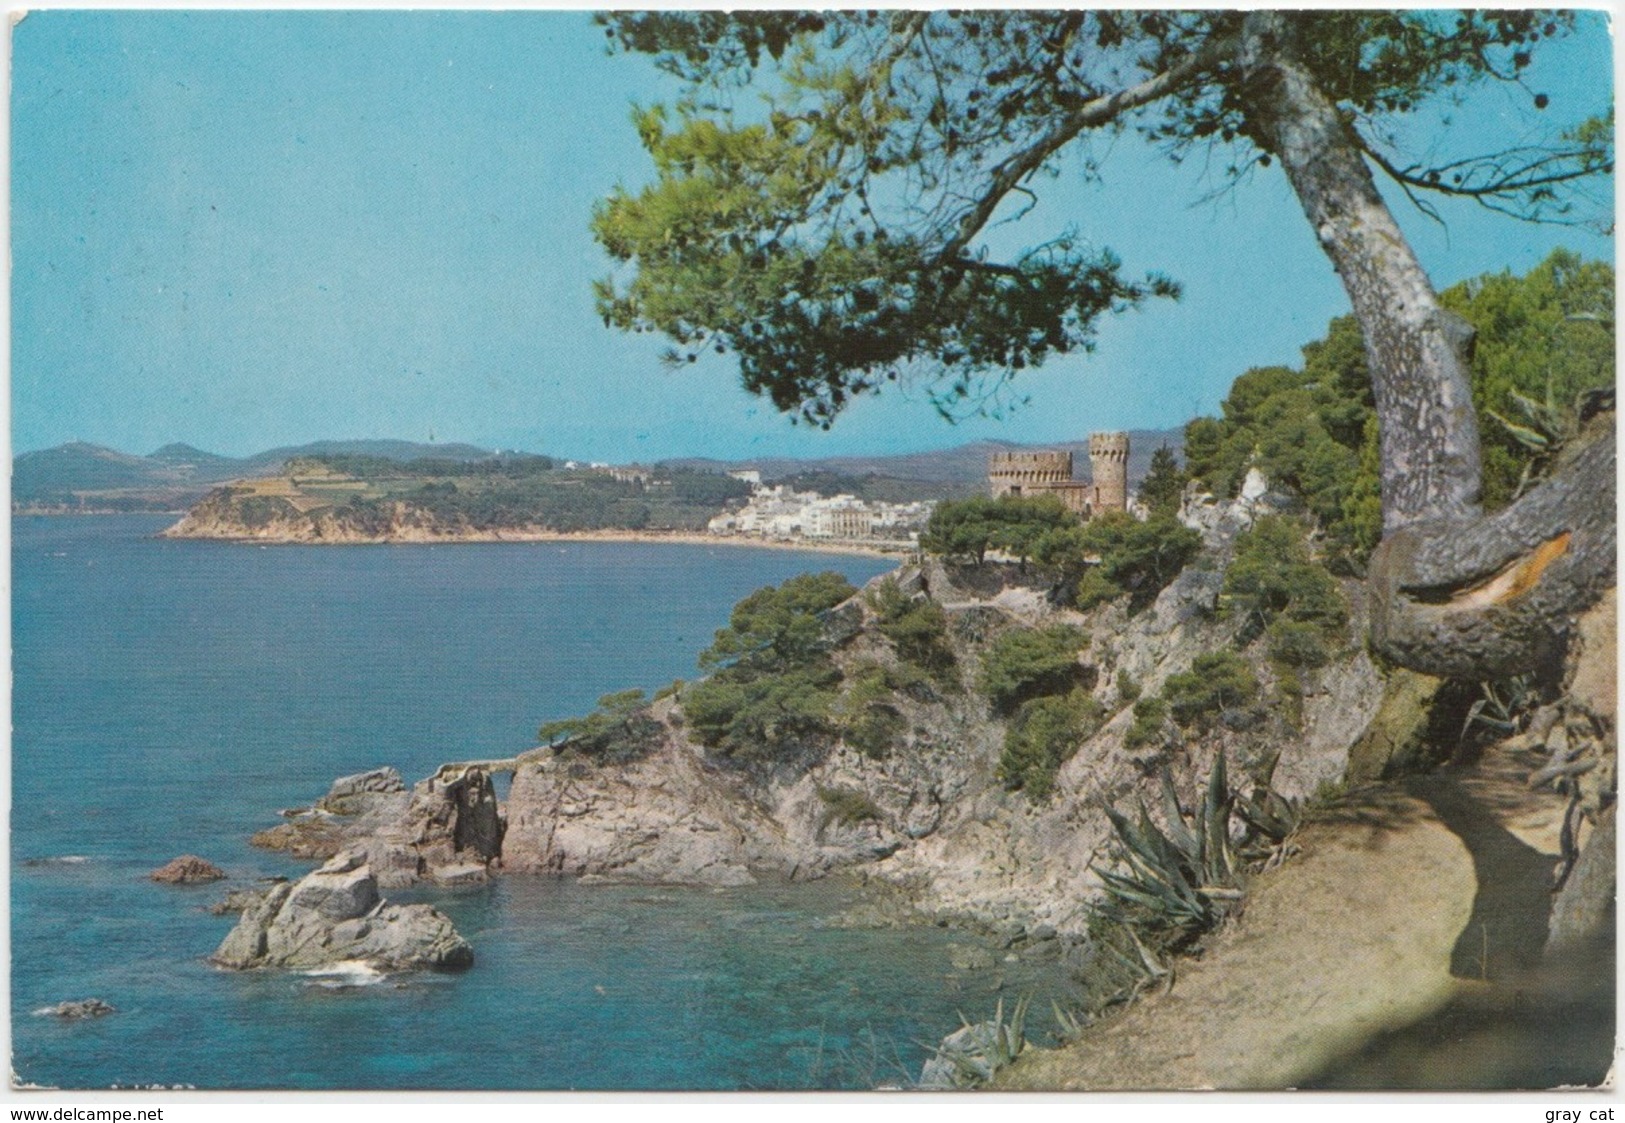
x=59, y=860
x=345, y=973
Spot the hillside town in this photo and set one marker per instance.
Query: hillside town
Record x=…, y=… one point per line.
x=778, y=511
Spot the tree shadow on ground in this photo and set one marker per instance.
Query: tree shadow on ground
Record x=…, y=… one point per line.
x=1506, y=932
x=1522, y=1022
x=1549, y=1028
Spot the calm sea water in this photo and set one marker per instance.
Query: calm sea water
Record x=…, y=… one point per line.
x=170, y=696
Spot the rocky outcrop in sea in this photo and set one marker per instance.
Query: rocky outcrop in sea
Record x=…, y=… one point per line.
x=447, y=829
x=335, y=915
x=188, y=869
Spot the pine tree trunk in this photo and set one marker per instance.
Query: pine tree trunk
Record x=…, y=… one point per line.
x=1456, y=593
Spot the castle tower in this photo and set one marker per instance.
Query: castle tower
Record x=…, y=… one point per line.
x=1108, y=466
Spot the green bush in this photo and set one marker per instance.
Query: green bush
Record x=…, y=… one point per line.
x=619, y=731
x=1043, y=736
x=773, y=689
x=917, y=628
x=1094, y=588
x=865, y=715
x=1025, y=663
x=766, y=717
x=847, y=806
x=965, y=529
x=1274, y=579
x=1295, y=643
x=1216, y=682
x=1128, y=689
x=1116, y=554
x=779, y=626
x=1149, y=716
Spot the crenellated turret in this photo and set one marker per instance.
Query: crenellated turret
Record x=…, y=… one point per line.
x=1108, y=465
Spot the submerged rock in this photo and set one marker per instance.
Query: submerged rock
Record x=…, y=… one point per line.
x=188, y=869
x=83, y=1008
x=237, y=901
x=336, y=915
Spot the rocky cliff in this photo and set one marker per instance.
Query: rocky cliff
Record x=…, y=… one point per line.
x=249, y=513
x=929, y=818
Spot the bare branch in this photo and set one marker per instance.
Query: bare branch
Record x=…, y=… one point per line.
x=1494, y=180
x=1090, y=114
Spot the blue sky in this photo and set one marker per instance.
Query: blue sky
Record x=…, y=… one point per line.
x=243, y=230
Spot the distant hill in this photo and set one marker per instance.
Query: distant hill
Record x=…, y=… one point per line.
x=964, y=465
x=271, y=461
x=87, y=477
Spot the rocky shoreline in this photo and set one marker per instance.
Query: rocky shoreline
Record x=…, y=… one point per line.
x=930, y=827
x=294, y=535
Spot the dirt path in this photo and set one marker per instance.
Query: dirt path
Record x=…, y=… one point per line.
x=1408, y=929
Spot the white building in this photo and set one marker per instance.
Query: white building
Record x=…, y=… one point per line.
x=779, y=512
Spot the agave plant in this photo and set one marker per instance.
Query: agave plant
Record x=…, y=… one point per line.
x=1502, y=706
x=1543, y=428
x=980, y=1050
x=1174, y=878
x=1272, y=820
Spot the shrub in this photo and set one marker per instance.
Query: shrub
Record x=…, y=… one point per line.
x=847, y=806
x=777, y=627
x=619, y=731
x=1295, y=643
x=1218, y=681
x=773, y=687
x=1043, y=736
x=760, y=718
x=917, y=628
x=1274, y=577
x=967, y=528
x=1128, y=689
x=1149, y=715
x=865, y=715
x=1025, y=663
x=1094, y=588
x=1116, y=554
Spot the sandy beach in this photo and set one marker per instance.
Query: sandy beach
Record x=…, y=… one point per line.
x=416, y=536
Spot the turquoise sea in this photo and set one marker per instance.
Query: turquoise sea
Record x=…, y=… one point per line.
x=170, y=697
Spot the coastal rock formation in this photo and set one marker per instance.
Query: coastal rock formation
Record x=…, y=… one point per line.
x=450, y=831
x=336, y=915
x=186, y=870
x=352, y=795
x=237, y=901
x=448, y=828
x=667, y=818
